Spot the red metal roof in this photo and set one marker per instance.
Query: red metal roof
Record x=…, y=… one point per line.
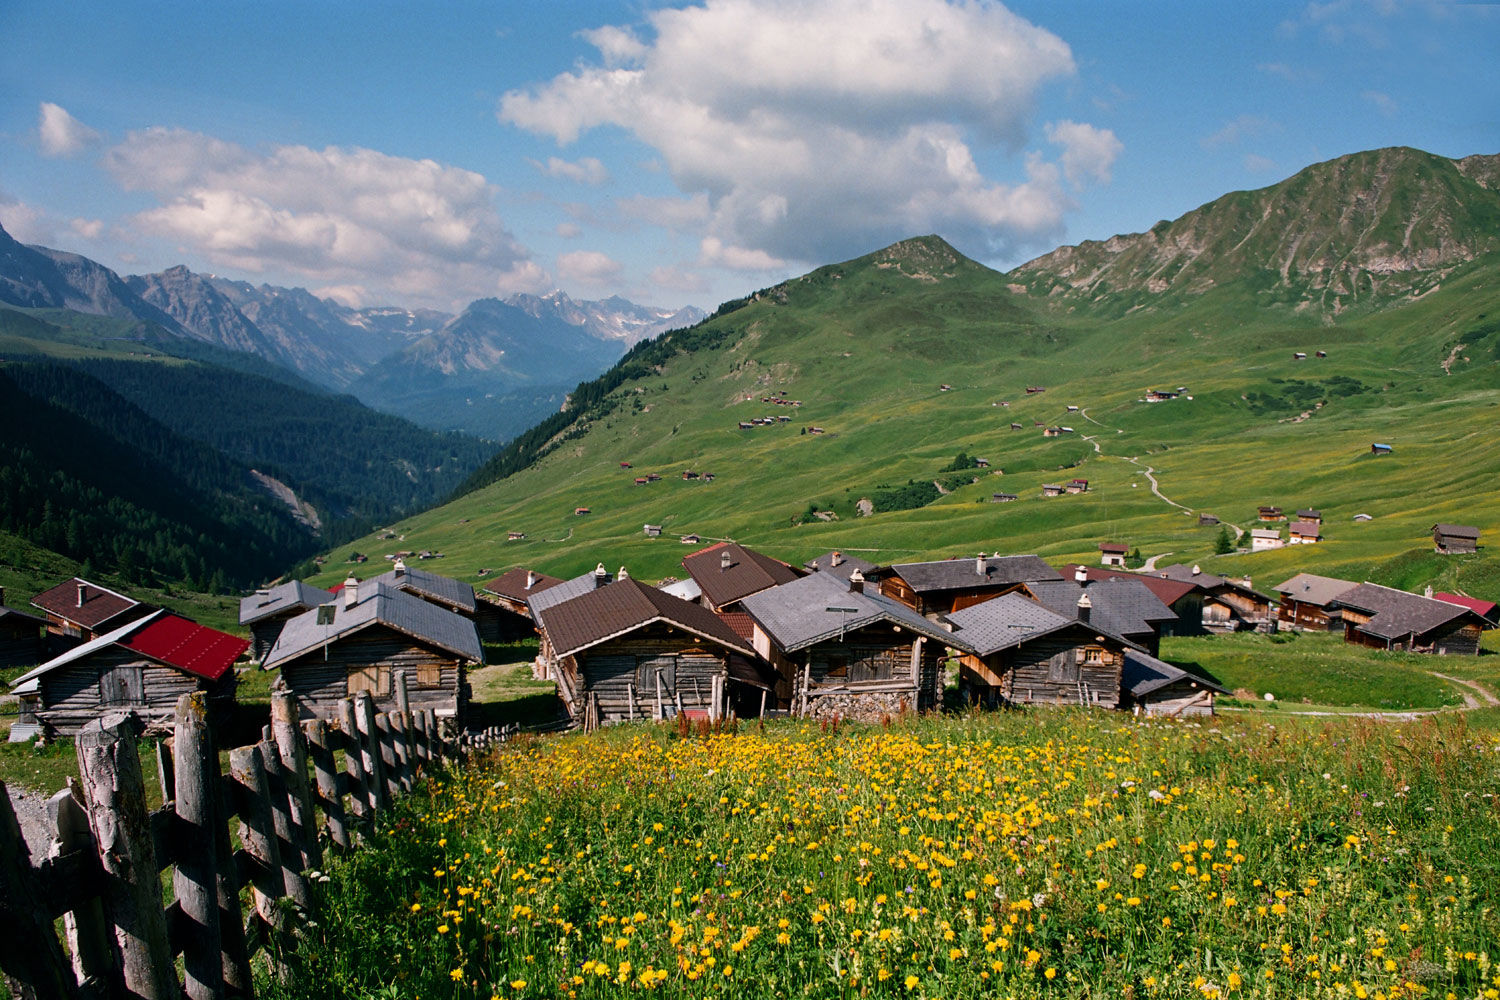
x=197, y=649
x=1484, y=609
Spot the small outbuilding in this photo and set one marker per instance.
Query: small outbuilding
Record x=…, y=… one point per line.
x=1113, y=553
x=1304, y=533
x=1155, y=687
x=1262, y=539
x=1455, y=538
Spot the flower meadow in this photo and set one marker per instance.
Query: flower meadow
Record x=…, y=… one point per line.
x=1063, y=854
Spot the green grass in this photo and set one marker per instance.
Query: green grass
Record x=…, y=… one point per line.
x=504, y=690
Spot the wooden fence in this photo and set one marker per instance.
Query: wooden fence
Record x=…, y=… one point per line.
x=103, y=874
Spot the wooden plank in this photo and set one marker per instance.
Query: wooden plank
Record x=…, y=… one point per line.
x=292, y=749
x=287, y=850
x=385, y=742
x=110, y=772
x=258, y=834
x=194, y=880
x=369, y=749
x=30, y=957
x=354, y=770
x=330, y=797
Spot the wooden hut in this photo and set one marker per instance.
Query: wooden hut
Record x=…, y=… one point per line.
x=509, y=594
x=143, y=666
x=80, y=610
x=937, y=588
x=1386, y=618
x=728, y=572
x=840, y=649
x=446, y=592
x=1156, y=688
x=1451, y=538
x=1123, y=606
x=629, y=651
x=1027, y=654
x=358, y=641
x=1305, y=599
x=267, y=611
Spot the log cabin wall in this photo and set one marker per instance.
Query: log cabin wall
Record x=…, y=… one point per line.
x=1301, y=615
x=368, y=661
x=118, y=679
x=264, y=633
x=1065, y=668
x=1178, y=700
x=622, y=674
x=868, y=674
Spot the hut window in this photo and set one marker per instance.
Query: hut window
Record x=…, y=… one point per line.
x=429, y=675
x=647, y=668
x=375, y=679
x=1093, y=656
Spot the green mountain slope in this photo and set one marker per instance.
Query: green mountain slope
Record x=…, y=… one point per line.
x=903, y=358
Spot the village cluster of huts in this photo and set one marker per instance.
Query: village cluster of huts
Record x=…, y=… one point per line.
x=741, y=633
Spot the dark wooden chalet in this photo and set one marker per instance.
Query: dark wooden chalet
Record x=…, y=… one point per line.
x=1310, y=514
x=78, y=610
x=267, y=611
x=1022, y=653
x=1185, y=600
x=21, y=642
x=1229, y=605
x=1385, y=618
x=143, y=666
x=509, y=594
x=728, y=573
x=1304, y=533
x=1265, y=513
x=629, y=651
x=939, y=588
x=1303, y=602
x=1451, y=538
x=840, y=649
x=360, y=639
x=1154, y=687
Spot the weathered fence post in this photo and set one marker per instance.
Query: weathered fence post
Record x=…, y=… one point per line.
x=89, y=939
x=110, y=767
x=258, y=835
x=286, y=723
x=30, y=957
x=385, y=744
x=359, y=802
x=368, y=744
x=329, y=797
x=424, y=737
x=400, y=736
x=287, y=851
x=194, y=881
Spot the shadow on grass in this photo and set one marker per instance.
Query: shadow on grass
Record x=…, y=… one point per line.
x=535, y=709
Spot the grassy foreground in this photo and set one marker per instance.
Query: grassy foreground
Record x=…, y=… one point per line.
x=1037, y=854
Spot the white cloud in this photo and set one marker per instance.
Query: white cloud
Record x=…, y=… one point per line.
x=569, y=230
x=817, y=128
x=588, y=266
x=585, y=171
x=412, y=228
x=352, y=296
x=1087, y=151
x=89, y=229
x=60, y=133
x=1239, y=129
x=713, y=253
x=675, y=279
x=1384, y=103
x=25, y=222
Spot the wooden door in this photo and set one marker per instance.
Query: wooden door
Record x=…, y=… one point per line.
x=121, y=685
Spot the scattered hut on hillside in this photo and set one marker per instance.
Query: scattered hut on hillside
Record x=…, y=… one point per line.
x=1113, y=553
x=1451, y=538
x=1262, y=539
x=143, y=666
x=267, y=611
x=1304, y=533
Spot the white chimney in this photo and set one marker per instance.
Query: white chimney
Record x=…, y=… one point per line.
x=979, y=564
x=1196, y=569
x=1080, y=575
x=81, y=589
x=400, y=568
x=351, y=592
x=1425, y=593
x=856, y=582
x=724, y=560
x=530, y=579
x=600, y=574
x=1085, y=607
x=622, y=575
x=835, y=559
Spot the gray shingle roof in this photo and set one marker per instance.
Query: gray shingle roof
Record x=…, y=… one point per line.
x=283, y=597
x=431, y=587
x=1313, y=589
x=1457, y=530
x=795, y=615
x=962, y=574
x=847, y=564
x=383, y=605
x=1124, y=607
x=566, y=591
x=1144, y=673
x=591, y=618
x=1397, y=613
x=1005, y=622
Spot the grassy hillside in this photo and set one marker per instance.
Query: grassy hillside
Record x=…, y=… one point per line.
x=866, y=346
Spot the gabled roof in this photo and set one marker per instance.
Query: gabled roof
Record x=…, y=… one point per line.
x=964, y=574
x=1144, y=673
x=442, y=590
x=8, y=612
x=1312, y=589
x=1124, y=607
x=1304, y=528
x=567, y=590
x=1208, y=581
x=1310, y=514
x=1484, y=609
x=847, y=564
x=1396, y=613
x=99, y=604
x=291, y=596
x=164, y=637
x=1013, y=620
x=1457, y=530
x=795, y=615
x=589, y=619
x=1167, y=591
x=748, y=572
x=512, y=583
x=379, y=605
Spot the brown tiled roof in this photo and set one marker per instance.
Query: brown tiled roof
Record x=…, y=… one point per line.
x=1397, y=613
x=1166, y=591
x=99, y=604
x=742, y=624
x=749, y=572
x=965, y=574
x=512, y=584
x=624, y=606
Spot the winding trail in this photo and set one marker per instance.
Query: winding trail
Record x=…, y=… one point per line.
x=1150, y=564
x=1146, y=469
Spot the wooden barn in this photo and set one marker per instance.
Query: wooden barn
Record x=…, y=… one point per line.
x=1185, y=600
x=840, y=649
x=1113, y=554
x=358, y=641
x=1025, y=654
x=510, y=594
x=1455, y=538
x=629, y=651
x=1156, y=688
x=728, y=573
x=267, y=611
x=78, y=610
x=938, y=588
x=1304, y=601
x=1385, y=618
x=21, y=642
x=1229, y=604
x=1304, y=533
x=143, y=666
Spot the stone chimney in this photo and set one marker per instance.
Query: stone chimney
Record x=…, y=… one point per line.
x=601, y=575
x=856, y=582
x=400, y=568
x=82, y=593
x=1197, y=570
x=622, y=575
x=724, y=560
x=979, y=564
x=1085, y=607
x=530, y=579
x=350, y=592
x=1080, y=575
x=836, y=559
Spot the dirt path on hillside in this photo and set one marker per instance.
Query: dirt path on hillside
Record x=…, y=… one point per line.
x=1150, y=564
x=1485, y=697
x=1146, y=469
x=1482, y=697
x=1452, y=357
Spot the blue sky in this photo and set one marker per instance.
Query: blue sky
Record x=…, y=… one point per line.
x=398, y=153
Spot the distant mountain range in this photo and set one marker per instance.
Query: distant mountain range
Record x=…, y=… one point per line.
x=493, y=370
